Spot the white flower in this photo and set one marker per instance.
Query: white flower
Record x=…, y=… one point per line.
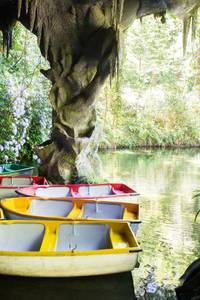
x=14, y=129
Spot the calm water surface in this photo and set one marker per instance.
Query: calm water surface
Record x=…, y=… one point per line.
x=168, y=235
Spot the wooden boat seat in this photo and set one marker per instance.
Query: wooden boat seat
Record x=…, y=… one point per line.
x=50, y=208
x=96, y=190
x=53, y=191
x=20, y=237
x=76, y=212
x=130, y=214
x=103, y=211
x=118, y=240
x=83, y=237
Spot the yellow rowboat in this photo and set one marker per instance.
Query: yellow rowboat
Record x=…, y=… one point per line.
x=63, y=209
x=1, y=214
x=66, y=249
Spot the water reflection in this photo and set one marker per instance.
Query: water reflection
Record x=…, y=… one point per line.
x=110, y=287
x=168, y=235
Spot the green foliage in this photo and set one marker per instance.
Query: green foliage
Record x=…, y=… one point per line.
x=196, y=195
x=25, y=114
x=157, y=102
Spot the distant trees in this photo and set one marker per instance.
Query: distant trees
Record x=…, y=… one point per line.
x=158, y=93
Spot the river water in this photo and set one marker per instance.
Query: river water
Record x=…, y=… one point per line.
x=168, y=234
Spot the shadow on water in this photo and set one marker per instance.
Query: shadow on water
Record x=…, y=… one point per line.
x=108, y=287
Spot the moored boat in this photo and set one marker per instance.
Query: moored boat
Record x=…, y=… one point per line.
x=66, y=249
x=114, y=191
x=9, y=184
x=1, y=214
x=27, y=208
x=16, y=169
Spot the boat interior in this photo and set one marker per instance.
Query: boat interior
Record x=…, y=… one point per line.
x=96, y=190
x=57, y=236
x=76, y=191
x=6, y=181
x=71, y=209
x=30, y=235
x=50, y=208
x=7, y=168
x=83, y=237
x=56, y=191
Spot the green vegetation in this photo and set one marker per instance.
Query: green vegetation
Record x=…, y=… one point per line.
x=24, y=108
x=196, y=195
x=155, y=101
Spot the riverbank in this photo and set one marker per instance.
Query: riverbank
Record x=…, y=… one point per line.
x=148, y=147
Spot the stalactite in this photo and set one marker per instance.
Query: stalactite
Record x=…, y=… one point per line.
x=194, y=20
x=7, y=40
x=113, y=14
x=119, y=14
x=121, y=10
x=186, y=30
x=46, y=39
x=39, y=26
x=19, y=8
x=116, y=17
x=27, y=6
x=39, y=33
x=33, y=11
x=190, y=25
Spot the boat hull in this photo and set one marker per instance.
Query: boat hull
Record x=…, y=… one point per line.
x=13, y=216
x=7, y=192
x=66, y=249
x=72, y=266
x=30, y=208
x=15, y=169
x=107, y=192
x=9, y=184
x=27, y=172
